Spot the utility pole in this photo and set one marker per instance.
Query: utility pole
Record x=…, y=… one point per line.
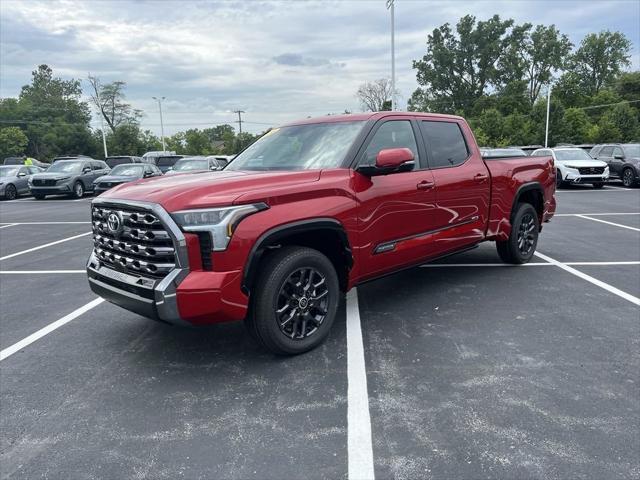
x=546, y=130
x=159, y=100
x=239, y=121
x=390, y=6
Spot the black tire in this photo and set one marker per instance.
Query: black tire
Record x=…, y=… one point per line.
x=522, y=242
x=628, y=178
x=78, y=190
x=559, y=182
x=10, y=192
x=598, y=185
x=278, y=304
x=39, y=196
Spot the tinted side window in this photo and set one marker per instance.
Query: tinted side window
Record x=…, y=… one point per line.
x=618, y=151
x=392, y=134
x=606, y=152
x=446, y=143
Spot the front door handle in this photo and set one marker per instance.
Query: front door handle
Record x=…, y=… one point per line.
x=425, y=185
x=480, y=177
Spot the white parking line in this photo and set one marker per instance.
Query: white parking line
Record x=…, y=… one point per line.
x=532, y=264
x=6, y=257
x=594, y=214
x=38, y=272
x=44, y=223
x=16, y=347
x=609, y=223
x=5, y=225
x=590, y=191
x=590, y=279
x=360, y=450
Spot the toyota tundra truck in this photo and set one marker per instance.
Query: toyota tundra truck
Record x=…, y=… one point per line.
x=306, y=213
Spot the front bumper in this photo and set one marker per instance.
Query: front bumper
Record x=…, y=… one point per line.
x=187, y=296
x=53, y=190
x=578, y=178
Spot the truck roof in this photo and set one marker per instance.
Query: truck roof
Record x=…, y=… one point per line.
x=354, y=117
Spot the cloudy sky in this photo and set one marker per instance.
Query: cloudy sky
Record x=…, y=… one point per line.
x=278, y=61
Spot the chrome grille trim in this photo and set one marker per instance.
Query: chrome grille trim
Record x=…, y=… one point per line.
x=143, y=246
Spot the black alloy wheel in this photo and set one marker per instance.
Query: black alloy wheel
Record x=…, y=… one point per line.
x=10, y=192
x=78, y=190
x=523, y=239
x=628, y=178
x=302, y=303
x=526, y=234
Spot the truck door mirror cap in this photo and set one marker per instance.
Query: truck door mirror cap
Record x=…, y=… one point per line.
x=390, y=160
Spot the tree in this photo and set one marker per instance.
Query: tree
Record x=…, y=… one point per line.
x=624, y=118
x=577, y=126
x=53, y=116
x=600, y=58
x=110, y=101
x=375, y=96
x=533, y=56
x=13, y=142
x=459, y=67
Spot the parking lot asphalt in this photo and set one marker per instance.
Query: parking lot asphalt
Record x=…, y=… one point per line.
x=473, y=369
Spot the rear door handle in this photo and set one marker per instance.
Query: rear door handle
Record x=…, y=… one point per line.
x=480, y=177
x=425, y=185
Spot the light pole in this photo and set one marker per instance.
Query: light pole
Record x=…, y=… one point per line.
x=390, y=5
x=546, y=130
x=159, y=100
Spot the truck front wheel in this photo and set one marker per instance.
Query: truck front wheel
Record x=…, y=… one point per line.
x=294, y=301
x=522, y=242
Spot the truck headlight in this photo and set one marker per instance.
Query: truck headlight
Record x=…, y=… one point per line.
x=220, y=223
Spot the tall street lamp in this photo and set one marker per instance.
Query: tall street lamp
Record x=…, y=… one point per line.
x=159, y=100
x=390, y=5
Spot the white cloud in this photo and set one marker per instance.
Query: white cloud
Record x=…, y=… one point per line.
x=276, y=60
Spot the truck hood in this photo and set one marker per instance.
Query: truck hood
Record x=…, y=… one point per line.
x=209, y=189
x=582, y=163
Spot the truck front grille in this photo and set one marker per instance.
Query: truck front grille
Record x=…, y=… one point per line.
x=136, y=242
x=591, y=170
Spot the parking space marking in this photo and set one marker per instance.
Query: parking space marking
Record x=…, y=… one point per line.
x=609, y=223
x=590, y=279
x=5, y=225
x=38, y=272
x=44, y=223
x=6, y=257
x=359, y=446
x=532, y=264
x=595, y=214
x=16, y=347
x=613, y=189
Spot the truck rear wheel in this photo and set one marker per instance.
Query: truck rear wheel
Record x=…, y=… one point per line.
x=294, y=301
x=522, y=242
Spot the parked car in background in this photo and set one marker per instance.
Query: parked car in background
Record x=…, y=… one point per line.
x=196, y=164
x=68, y=177
x=623, y=160
x=307, y=212
x=502, y=152
x=574, y=165
x=152, y=156
x=23, y=161
x=14, y=180
x=166, y=162
x=528, y=149
x=224, y=159
x=69, y=157
x=120, y=159
x=123, y=173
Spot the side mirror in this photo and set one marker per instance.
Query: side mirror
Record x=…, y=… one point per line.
x=147, y=174
x=86, y=170
x=390, y=160
x=22, y=174
x=619, y=157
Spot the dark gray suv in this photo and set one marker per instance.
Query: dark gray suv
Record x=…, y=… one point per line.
x=623, y=160
x=68, y=177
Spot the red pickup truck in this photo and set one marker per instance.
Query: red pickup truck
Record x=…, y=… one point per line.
x=307, y=212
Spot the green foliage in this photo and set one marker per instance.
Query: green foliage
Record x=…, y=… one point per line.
x=577, y=126
x=13, y=142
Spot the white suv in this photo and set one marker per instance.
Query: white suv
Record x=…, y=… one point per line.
x=574, y=165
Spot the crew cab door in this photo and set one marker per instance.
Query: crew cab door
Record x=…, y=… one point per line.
x=394, y=210
x=463, y=184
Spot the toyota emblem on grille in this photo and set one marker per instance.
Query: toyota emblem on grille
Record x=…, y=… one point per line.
x=114, y=223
